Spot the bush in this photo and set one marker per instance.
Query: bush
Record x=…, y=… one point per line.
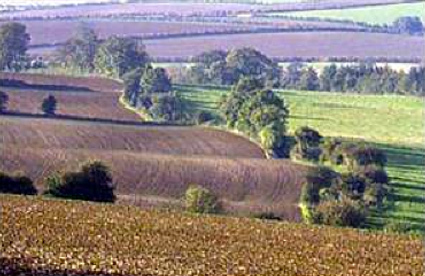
x=317, y=179
x=93, y=183
x=373, y=174
x=201, y=200
x=340, y=213
x=362, y=155
x=330, y=151
x=4, y=99
x=49, y=105
x=307, y=144
x=203, y=117
x=17, y=184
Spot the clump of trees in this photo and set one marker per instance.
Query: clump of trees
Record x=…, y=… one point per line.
x=93, y=182
x=14, y=41
x=16, y=184
x=203, y=201
x=362, y=78
x=227, y=68
x=340, y=199
x=258, y=112
x=411, y=25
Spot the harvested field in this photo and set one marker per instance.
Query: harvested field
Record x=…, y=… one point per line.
x=303, y=45
x=83, y=98
x=47, y=237
x=114, y=10
x=175, y=140
x=247, y=185
x=62, y=83
x=54, y=32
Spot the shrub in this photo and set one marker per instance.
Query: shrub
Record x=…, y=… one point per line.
x=17, y=184
x=317, y=179
x=307, y=144
x=340, y=213
x=330, y=151
x=362, y=155
x=373, y=174
x=93, y=183
x=201, y=200
x=49, y=105
x=4, y=99
x=203, y=117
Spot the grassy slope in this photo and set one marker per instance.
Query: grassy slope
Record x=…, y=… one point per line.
x=394, y=123
x=387, y=14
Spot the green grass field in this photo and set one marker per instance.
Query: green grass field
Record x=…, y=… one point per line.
x=374, y=15
x=394, y=123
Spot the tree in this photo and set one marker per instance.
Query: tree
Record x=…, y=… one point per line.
x=49, y=105
x=340, y=213
x=93, y=182
x=307, y=144
x=327, y=77
x=155, y=81
x=132, y=88
x=14, y=41
x=117, y=56
x=16, y=184
x=80, y=50
x=409, y=25
x=309, y=80
x=4, y=100
x=201, y=200
x=167, y=107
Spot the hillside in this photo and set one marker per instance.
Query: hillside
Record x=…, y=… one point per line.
x=149, y=162
x=393, y=123
x=47, y=237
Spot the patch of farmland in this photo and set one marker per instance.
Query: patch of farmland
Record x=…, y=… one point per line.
x=53, y=32
x=49, y=237
x=133, y=9
x=247, y=185
x=302, y=45
x=175, y=140
x=387, y=14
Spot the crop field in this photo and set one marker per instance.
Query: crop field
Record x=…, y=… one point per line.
x=48, y=237
x=393, y=123
x=387, y=14
x=131, y=9
x=302, y=44
x=53, y=32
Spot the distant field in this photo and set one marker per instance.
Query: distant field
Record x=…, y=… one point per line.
x=48, y=237
x=303, y=45
x=52, y=32
x=395, y=123
x=373, y=15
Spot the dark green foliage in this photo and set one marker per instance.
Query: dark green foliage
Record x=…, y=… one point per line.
x=256, y=111
x=318, y=178
x=409, y=25
x=132, y=88
x=80, y=50
x=169, y=107
x=16, y=184
x=14, y=41
x=227, y=68
x=330, y=151
x=201, y=200
x=117, y=56
x=93, y=182
x=340, y=213
x=49, y=105
x=309, y=80
x=155, y=81
x=203, y=117
x=307, y=144
x=363, y=155
x=4, y=100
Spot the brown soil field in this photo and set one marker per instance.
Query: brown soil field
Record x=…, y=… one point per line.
x=53, y=32
x=146, y=160
x=302, y=44
x=247, y=185
x=61, y=82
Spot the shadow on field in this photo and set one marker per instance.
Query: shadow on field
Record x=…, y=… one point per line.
x=22, y=267
x=308, y=118
x=337, y=106
x=23, y=85
x=87, y=119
